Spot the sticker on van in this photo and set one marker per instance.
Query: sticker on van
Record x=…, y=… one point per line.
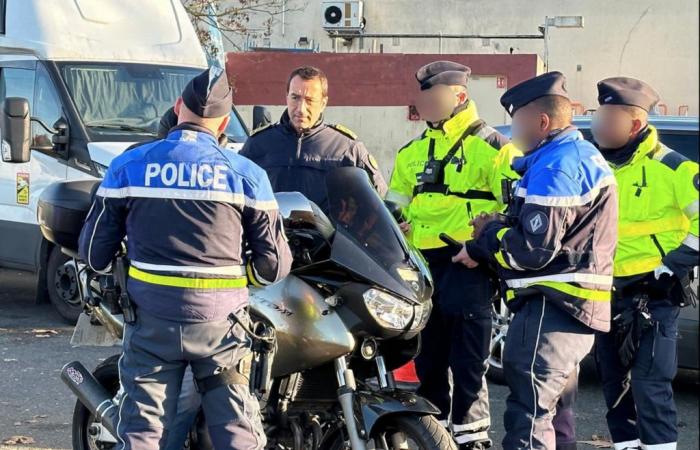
x=22, y=188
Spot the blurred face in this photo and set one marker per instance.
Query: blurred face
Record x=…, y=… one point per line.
x=613, y=126
x=439, y=102
x=305, y=102
x=529, y=127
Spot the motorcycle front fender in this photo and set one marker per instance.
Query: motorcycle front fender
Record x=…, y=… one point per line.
x=374, y=406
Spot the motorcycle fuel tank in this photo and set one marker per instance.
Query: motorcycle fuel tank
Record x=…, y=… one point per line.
x=309, y=332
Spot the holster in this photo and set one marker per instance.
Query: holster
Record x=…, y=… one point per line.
x=628, y=327
x=683, y=294
x=120, y=271
x=253, y=370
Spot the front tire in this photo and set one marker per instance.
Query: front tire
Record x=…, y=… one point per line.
x=62, y=284
x=501, y=317
x=405, y=432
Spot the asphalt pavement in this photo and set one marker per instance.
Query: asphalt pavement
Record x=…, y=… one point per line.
x=35, y=406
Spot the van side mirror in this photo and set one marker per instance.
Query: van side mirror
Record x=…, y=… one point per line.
x=15, y=133
x=261, y=117
x=62, y=133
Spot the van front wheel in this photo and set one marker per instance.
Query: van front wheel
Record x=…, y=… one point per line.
x=62, y=284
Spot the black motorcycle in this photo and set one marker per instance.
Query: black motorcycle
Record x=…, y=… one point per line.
x=326, y=337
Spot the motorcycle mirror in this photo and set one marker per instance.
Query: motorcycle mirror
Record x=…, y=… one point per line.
x=395, y=210
x=261, y=117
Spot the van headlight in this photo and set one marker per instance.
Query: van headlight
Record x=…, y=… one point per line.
x=391, y=312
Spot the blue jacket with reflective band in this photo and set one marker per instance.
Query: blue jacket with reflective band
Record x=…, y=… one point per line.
x=189, y=210
x=561, y=231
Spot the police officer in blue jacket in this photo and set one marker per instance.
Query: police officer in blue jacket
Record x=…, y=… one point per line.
x=190, y=211
x=554, y=252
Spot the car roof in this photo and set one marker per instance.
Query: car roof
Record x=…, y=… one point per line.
x=662, y=123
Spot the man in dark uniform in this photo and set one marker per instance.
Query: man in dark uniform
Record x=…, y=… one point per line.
x=299, y=150
x=554, y=251
x=190, y=210
x=657, y=249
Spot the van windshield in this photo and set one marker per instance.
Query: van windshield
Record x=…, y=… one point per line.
x=116, y=98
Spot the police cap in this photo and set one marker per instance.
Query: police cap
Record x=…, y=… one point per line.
x=550, y=83
x=442, y=72
x=208, y=94
x=627, y=91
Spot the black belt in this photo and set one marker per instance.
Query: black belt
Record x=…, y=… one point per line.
x=444, y=189
x=224, y=378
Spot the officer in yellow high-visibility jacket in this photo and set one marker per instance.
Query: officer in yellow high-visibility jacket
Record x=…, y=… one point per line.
x=656, y=251
x=444, y=178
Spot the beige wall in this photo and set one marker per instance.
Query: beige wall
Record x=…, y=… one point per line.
x=652, y=40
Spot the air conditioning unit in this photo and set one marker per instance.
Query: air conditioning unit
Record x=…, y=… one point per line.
x=344, y=16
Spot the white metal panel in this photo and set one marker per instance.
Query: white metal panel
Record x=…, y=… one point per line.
x=42, y=170
x=147, y=31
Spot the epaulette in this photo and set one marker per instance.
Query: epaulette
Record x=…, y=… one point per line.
x=344, y=130
x=261, y=129
x=417, y=138
x=668, y=157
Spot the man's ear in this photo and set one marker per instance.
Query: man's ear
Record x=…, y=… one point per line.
x=463, y=97
x=178, y=106
x=637, y=125
x=324, y=103
x=544, y=122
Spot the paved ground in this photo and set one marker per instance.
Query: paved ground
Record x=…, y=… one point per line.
x=34, y=345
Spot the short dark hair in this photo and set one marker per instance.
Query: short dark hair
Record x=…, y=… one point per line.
x=310, y=73
x=558, y=108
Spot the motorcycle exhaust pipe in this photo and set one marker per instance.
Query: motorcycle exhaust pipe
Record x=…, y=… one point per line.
x=114, y=324
x=91, y=394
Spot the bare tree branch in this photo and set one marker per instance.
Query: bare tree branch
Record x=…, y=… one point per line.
x=236, y=18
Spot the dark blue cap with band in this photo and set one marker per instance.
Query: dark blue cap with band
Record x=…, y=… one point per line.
x=550, y=83
x=209, y=94
x=442, y=72
x=627, y=91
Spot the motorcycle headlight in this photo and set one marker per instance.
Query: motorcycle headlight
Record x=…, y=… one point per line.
x=391, y=312
x=422, y=315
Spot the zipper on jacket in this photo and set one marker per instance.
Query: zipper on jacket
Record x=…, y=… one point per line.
x=658, y=245
x=469, y=211
x=292, y=163
x=644, y=182
x=299, y=146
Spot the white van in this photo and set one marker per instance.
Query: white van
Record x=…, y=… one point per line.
x=80, y=80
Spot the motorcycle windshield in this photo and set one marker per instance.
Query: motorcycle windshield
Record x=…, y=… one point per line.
x=368, y=240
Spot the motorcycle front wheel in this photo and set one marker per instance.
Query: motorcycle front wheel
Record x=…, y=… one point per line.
x=405, y=432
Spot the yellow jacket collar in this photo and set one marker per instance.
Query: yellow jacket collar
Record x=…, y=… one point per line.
x=455, y=126
x=648, y=145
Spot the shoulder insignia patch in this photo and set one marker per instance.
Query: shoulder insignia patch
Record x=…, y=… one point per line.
x=344, y=130
x=537, y=223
